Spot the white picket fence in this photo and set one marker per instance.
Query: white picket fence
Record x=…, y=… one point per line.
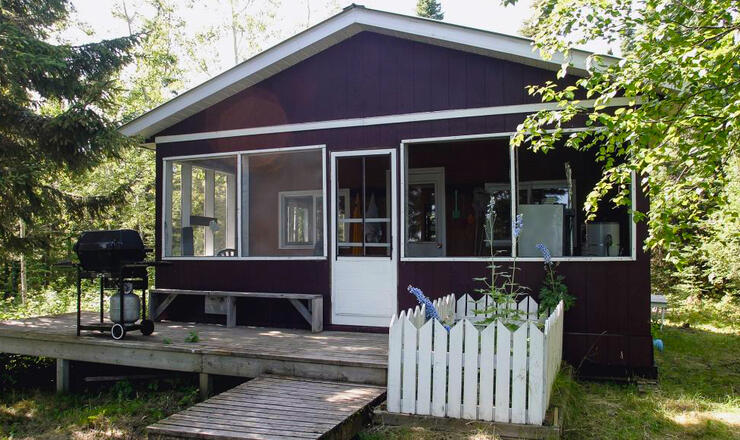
x=489, y=374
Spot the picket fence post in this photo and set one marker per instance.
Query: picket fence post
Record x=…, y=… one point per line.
x=395, y=352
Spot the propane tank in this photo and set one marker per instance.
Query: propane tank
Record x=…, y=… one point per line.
x=131, y=306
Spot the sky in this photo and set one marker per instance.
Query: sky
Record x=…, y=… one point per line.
x=483, y=14
x=290, y=18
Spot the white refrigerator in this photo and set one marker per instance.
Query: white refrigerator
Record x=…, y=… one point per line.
x=542, y=224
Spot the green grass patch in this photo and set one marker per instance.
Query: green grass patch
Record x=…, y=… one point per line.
x=696, y=398
x=117, y=411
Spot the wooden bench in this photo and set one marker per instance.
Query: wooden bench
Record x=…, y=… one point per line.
x=312, y=312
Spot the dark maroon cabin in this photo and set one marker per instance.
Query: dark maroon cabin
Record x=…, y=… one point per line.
x=358, y=209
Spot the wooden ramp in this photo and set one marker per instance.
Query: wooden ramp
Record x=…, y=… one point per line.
x=276, y=407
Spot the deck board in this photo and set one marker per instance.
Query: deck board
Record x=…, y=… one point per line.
x=240, y=351
x=268, y=408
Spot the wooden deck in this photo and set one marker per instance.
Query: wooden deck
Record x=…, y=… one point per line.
x=277, y=408
x=239, y=351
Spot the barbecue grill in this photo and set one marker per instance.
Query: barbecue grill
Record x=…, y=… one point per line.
x=117, y=259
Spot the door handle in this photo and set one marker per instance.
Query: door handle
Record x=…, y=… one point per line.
x=439, y=245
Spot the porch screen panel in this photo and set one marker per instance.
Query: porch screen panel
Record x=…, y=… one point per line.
x=200, y=207
x=447, y=191
x=552, y=190
x=282, y=200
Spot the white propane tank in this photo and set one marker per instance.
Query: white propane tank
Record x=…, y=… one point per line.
x=131, y=306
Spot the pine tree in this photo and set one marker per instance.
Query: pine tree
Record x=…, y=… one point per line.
x=54, y=99
x=429, y=9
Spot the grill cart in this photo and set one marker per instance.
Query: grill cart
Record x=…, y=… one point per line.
x=117, y=259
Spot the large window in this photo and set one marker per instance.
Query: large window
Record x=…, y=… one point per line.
x=281, y=201
x=449, y=185
x=448, y=190
x=283, y=204
x=200, y=207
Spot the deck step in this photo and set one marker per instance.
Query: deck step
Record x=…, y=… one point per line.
x=276, y=407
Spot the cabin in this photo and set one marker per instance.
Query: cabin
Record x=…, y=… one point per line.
x=358, y=158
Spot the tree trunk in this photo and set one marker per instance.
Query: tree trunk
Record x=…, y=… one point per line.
x=234, y=40
x=24, y=286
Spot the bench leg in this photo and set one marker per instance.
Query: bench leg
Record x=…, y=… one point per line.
x=62, y=375
x=161, y=306
x=230, y=312
x=317, y=315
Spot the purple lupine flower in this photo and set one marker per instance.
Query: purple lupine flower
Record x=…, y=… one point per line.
x=545, y=253
x=516, y=227
x=491, y=209
x=431, y=311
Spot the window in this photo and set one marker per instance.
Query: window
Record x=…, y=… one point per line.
x=448, y=188
x=449, y=184
x=301, y=219
x=363, y=206
x=200, y=207
x=553, y=209
x=274, y=208
x=282, y=203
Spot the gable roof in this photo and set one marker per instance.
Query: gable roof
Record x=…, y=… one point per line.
x=351, y=21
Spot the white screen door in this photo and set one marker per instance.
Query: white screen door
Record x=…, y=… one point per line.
x=364, y=255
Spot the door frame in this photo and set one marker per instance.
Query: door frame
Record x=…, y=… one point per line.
x=393, y=216
x=434, y=176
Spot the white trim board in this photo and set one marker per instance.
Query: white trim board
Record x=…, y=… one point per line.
x=383, y=120
x=351, y=21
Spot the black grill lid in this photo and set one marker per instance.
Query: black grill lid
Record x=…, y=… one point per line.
x=108, y=251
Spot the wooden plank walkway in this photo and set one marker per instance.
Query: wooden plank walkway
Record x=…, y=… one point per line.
x=276, y=407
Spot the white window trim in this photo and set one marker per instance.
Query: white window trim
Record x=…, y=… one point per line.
x=239, y=155
x=512, y=177
x=282, y=195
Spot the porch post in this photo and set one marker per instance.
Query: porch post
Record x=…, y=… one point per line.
x=186, y=188
x=62, y=375
x=206, y=385
x=209, y=208
x=167, y=213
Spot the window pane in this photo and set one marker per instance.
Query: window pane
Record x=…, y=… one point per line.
x=558, y=183
x=298, y=220
x=449, y=187
x=422, y=213
x=282, y=204
x=200, y=216
x=363, y=205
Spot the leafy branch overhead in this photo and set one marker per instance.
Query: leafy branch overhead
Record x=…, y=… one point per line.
x=679, y=69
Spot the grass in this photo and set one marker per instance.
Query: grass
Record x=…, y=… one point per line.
x=696, y=398
x=120, y=411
